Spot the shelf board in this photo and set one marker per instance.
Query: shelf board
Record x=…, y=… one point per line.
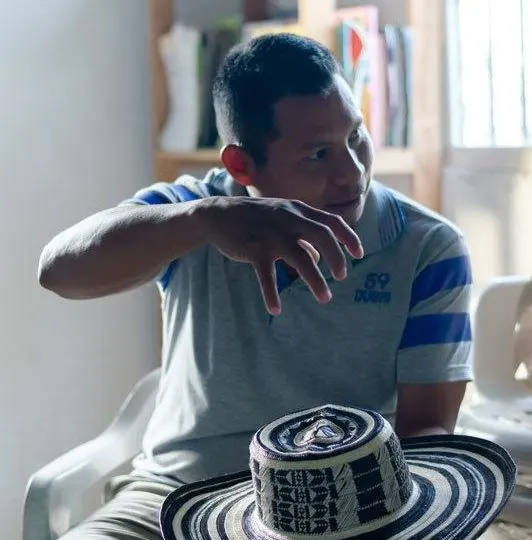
x=394, y=161
x=168, y=165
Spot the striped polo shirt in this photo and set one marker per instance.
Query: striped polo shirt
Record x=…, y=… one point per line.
x=228, y=367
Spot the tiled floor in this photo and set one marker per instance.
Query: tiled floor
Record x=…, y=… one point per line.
x=505, y=531
x=502, y=530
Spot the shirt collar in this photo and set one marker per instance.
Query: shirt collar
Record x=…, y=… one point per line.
x=382, y=221
x=220, y=182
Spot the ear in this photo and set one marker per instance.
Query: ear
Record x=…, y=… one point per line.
x=239, y=164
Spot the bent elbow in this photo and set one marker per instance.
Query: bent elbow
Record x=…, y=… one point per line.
x=47, y=270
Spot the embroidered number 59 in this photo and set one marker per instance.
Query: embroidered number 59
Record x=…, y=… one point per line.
x=373, y=279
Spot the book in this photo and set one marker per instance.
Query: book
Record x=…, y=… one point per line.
x=371, y=94
x=179, y=54
x=216, y=43
x=405, y=42
x=394, y=107
x=352, y=57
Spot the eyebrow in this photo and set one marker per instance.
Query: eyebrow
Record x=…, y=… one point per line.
x=357, y=122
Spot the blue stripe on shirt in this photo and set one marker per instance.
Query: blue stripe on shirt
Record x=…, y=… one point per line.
x=283, y=279
x=164, y=280
x=441, y=276
x=169, y=194
x=436, y=329
x=151, y=197
x=184, y=194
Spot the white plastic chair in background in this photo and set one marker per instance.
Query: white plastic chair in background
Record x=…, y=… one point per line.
x=54, y=493
x=501, y=406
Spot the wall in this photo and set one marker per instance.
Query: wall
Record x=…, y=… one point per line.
x=74, y=138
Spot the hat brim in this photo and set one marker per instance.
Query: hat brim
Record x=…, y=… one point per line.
x=461, y=485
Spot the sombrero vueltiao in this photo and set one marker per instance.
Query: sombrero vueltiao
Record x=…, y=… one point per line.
x=334, y=473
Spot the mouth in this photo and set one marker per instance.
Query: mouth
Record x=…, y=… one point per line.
x=341, y=206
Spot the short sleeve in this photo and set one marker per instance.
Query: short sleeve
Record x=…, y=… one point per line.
x=163, y=193
x=436, y=340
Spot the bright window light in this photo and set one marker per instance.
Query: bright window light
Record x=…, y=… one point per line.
x=492, y=59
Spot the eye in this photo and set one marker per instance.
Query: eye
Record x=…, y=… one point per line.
x=319, y=154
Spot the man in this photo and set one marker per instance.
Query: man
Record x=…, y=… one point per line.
x=386, y=327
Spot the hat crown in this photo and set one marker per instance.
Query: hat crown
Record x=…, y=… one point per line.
x=327, y=470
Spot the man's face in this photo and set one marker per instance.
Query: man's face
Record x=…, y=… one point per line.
x=323, y=156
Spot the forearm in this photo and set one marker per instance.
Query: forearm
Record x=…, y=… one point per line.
x=428, y=409
x=423, y=432
x=118, y=249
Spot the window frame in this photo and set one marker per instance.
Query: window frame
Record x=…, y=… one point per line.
x=481, y=158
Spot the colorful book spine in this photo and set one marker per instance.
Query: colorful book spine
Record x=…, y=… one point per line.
x=366, y=20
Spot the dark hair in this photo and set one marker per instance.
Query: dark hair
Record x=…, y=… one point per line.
x=255, y=75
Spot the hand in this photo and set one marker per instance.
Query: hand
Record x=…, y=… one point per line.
x=261, y=231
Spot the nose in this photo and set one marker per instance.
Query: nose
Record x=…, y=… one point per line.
x=348, y=169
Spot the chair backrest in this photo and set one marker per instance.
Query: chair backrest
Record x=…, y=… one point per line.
x=54, y=495
x=523, y=335
x=494, y=357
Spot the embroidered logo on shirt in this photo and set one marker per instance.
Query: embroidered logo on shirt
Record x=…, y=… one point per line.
x=374, y=291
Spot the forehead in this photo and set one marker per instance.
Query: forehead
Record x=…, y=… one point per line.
x=302, y=118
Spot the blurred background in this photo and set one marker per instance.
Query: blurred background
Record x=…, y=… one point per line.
x=101, y=97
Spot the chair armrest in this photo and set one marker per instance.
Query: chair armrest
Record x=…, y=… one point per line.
x=515, y=436
x=54, y=492
x=494, y=360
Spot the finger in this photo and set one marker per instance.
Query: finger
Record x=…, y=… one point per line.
x=341, y=230
x=304, y=264
x=344, y=234
x=311, y=250
x=267, y=278
x=322, y=237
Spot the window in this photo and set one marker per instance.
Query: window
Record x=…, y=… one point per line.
x=490, y=53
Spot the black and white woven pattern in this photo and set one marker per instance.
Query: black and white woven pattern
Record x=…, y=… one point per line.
x=344, y=470
x=338, y=473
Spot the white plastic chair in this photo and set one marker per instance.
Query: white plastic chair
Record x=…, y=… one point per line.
x=54, y=493
x=501, y=409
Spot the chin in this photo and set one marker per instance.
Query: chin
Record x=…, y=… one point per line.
x=357, y=214
x=352, y=214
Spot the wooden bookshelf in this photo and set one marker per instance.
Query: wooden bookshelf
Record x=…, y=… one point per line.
x=389, y=161
x=168, y=165
x=422, y=162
